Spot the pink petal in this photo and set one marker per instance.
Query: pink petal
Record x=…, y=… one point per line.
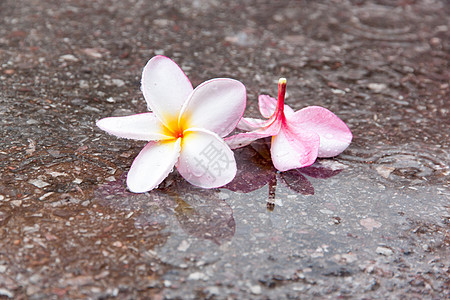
x=250, y=124
x=216, y=105
x=165, y=88
x=267, y=106
x=145, y=127
x=294, y=148
x=334, y=134
x=243, y=139
x=205, y=159
x=288, y=111
x=152, y=165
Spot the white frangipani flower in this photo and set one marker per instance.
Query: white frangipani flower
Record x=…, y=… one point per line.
x=184, y=129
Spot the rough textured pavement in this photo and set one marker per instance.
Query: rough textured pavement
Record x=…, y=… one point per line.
x=371, y=223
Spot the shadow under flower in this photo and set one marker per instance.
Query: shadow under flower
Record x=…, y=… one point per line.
x=199, y=212
x=255, y=170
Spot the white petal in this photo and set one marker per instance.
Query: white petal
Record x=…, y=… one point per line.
x=145, y=127
x=165, y=88
x=216, y=105
x=205, y=159
x=152, y=165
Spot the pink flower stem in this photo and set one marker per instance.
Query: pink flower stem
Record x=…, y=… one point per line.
x=281, y=94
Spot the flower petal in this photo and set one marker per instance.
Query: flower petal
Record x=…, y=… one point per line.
x=245, y=138
x=294, y=148
x=250, y=124
x=267, y=106
x=152, y=165
x=205, y=159
x=334, y=134
x=165, y=88
x=216, y=105
x=145, y=127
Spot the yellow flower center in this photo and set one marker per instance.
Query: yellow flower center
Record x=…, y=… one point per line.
x=174, y=129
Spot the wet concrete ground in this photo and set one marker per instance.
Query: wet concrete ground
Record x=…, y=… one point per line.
x=371, y=223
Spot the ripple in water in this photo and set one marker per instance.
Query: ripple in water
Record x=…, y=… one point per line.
x=412, y=163
x=384, y=23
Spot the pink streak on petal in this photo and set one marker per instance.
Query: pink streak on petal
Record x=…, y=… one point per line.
x=144, y=127
x=294, y=148
x=152, y=165
x=216, y=105
x=165, y=88
x=250, y=124
x=267, y=106
x=205, y=160
x=243, y=139
x=335, y=136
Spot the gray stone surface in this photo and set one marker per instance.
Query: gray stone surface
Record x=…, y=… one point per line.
x=370, y=223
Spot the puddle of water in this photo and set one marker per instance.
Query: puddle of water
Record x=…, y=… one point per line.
x=201, y=213
x=340, y=218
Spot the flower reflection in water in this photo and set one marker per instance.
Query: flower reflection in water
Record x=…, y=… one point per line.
x=255, y=170
x=199, y=212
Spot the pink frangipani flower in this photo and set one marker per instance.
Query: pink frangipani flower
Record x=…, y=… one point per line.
x=298, y=138
x=184, y=129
